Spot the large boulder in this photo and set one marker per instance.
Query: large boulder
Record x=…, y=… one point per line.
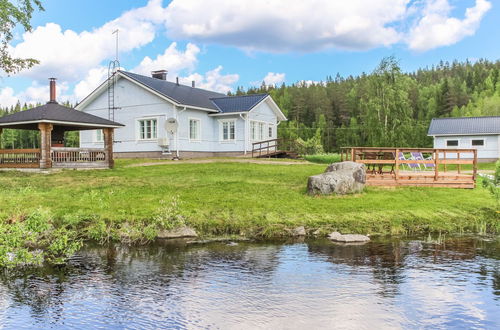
x=348, y=238
x=339, y=178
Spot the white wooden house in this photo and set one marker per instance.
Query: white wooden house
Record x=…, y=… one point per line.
x=208, y=123
x=481, y=133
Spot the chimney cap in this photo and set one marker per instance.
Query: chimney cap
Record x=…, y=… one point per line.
x=159, y=74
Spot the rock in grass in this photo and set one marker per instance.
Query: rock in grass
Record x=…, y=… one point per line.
x=299, y=231
x=177, y=233
x=348, y=238
x=339, y=178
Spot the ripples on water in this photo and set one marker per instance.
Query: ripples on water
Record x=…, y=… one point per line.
x=294, y=285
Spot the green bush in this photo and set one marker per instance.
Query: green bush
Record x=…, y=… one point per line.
x=493, y=184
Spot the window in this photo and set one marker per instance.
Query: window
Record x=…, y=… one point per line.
x=99, y=136
x=253, y=130
x=452, y=143
x=261, y=131
x=228, y=130
x=194, y=129
x=477, y=143
x=148, y=129
x=270, y=131
x=257, y=130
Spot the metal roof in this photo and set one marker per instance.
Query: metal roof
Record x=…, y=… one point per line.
x=181, y=94
x=230, y=104
x=198, y=97
x=54, y=112
x=465, y=126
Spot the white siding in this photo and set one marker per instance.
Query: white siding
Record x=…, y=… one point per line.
x=490, y=149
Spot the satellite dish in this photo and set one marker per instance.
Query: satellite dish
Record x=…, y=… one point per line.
x=171, y=125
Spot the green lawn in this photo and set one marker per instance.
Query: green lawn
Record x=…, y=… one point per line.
x=54, y=213
x=235, y=198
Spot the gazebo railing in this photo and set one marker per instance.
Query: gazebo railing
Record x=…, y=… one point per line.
x=78, y=157
x=20, y=158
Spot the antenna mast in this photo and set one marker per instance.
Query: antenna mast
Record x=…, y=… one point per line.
x=112, y=68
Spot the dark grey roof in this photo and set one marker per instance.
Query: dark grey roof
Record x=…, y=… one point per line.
x=179, y=93
x=238, y=103
x=198, y=97
x=54, y=112
x=465, y=126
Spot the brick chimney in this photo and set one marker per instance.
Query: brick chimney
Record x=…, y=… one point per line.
x=193, y=84
x=52, y=85
x=159, y=74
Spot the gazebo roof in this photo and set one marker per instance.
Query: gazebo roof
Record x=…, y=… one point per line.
x=58, y=115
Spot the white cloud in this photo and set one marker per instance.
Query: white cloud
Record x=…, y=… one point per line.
x=68, y=55
x=212, y=80
x=93, y=79
x=307, y=26
x=173, y=60
x=273, y=79
x=34, y=94
x=7, y=97
x=436, y=28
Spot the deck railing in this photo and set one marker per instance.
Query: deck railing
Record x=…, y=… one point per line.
x=271, y=147
x=19, y=158
x=78, y=157
x=437, y=166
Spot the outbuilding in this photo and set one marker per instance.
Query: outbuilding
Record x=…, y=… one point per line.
x=481, y=133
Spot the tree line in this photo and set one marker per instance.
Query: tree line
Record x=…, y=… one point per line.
x=387, y=107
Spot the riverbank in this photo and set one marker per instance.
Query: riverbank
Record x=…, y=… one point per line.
x=132, y=204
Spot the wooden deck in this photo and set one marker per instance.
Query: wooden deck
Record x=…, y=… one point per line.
x=390, y=167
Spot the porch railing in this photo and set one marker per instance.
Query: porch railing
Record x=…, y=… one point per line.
x=19, y=158
x=78, y=157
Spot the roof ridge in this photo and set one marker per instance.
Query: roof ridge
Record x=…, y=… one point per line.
x=475, y=117
x=233, y=96
x=170, y=82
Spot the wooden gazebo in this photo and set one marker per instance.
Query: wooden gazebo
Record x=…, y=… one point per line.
x=53, y=120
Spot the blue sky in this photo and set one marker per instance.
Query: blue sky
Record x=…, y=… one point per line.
x=223, y=44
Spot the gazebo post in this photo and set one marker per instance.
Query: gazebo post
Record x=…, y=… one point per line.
x=108, y=145
x=1, y=131
x=45, y=144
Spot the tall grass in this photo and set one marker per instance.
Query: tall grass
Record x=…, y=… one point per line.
x=323, y=158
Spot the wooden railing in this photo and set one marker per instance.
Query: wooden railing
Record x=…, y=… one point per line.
x=272, y=147
x=417, y=164
x=19, y=158
x=78, y=157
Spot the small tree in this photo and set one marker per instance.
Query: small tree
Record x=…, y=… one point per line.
x=11, y=15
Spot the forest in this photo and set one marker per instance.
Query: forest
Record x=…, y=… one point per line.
x=386, y=107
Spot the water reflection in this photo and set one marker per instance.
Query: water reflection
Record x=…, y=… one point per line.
x=385, y=283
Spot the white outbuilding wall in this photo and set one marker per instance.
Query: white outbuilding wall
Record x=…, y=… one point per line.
x=490, y=150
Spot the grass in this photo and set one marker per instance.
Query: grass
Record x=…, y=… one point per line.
x=323, y=158
x=235, y=197
x=131, y=204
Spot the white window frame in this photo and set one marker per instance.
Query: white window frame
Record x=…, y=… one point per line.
x=454, y=147
x=479, y=139
x=154, y=137
x=221, y=130
x=198, y=131
x=270, y=131
x=260, y=130
x=98, y=137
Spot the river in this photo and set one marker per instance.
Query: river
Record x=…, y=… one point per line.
x=310, y=284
